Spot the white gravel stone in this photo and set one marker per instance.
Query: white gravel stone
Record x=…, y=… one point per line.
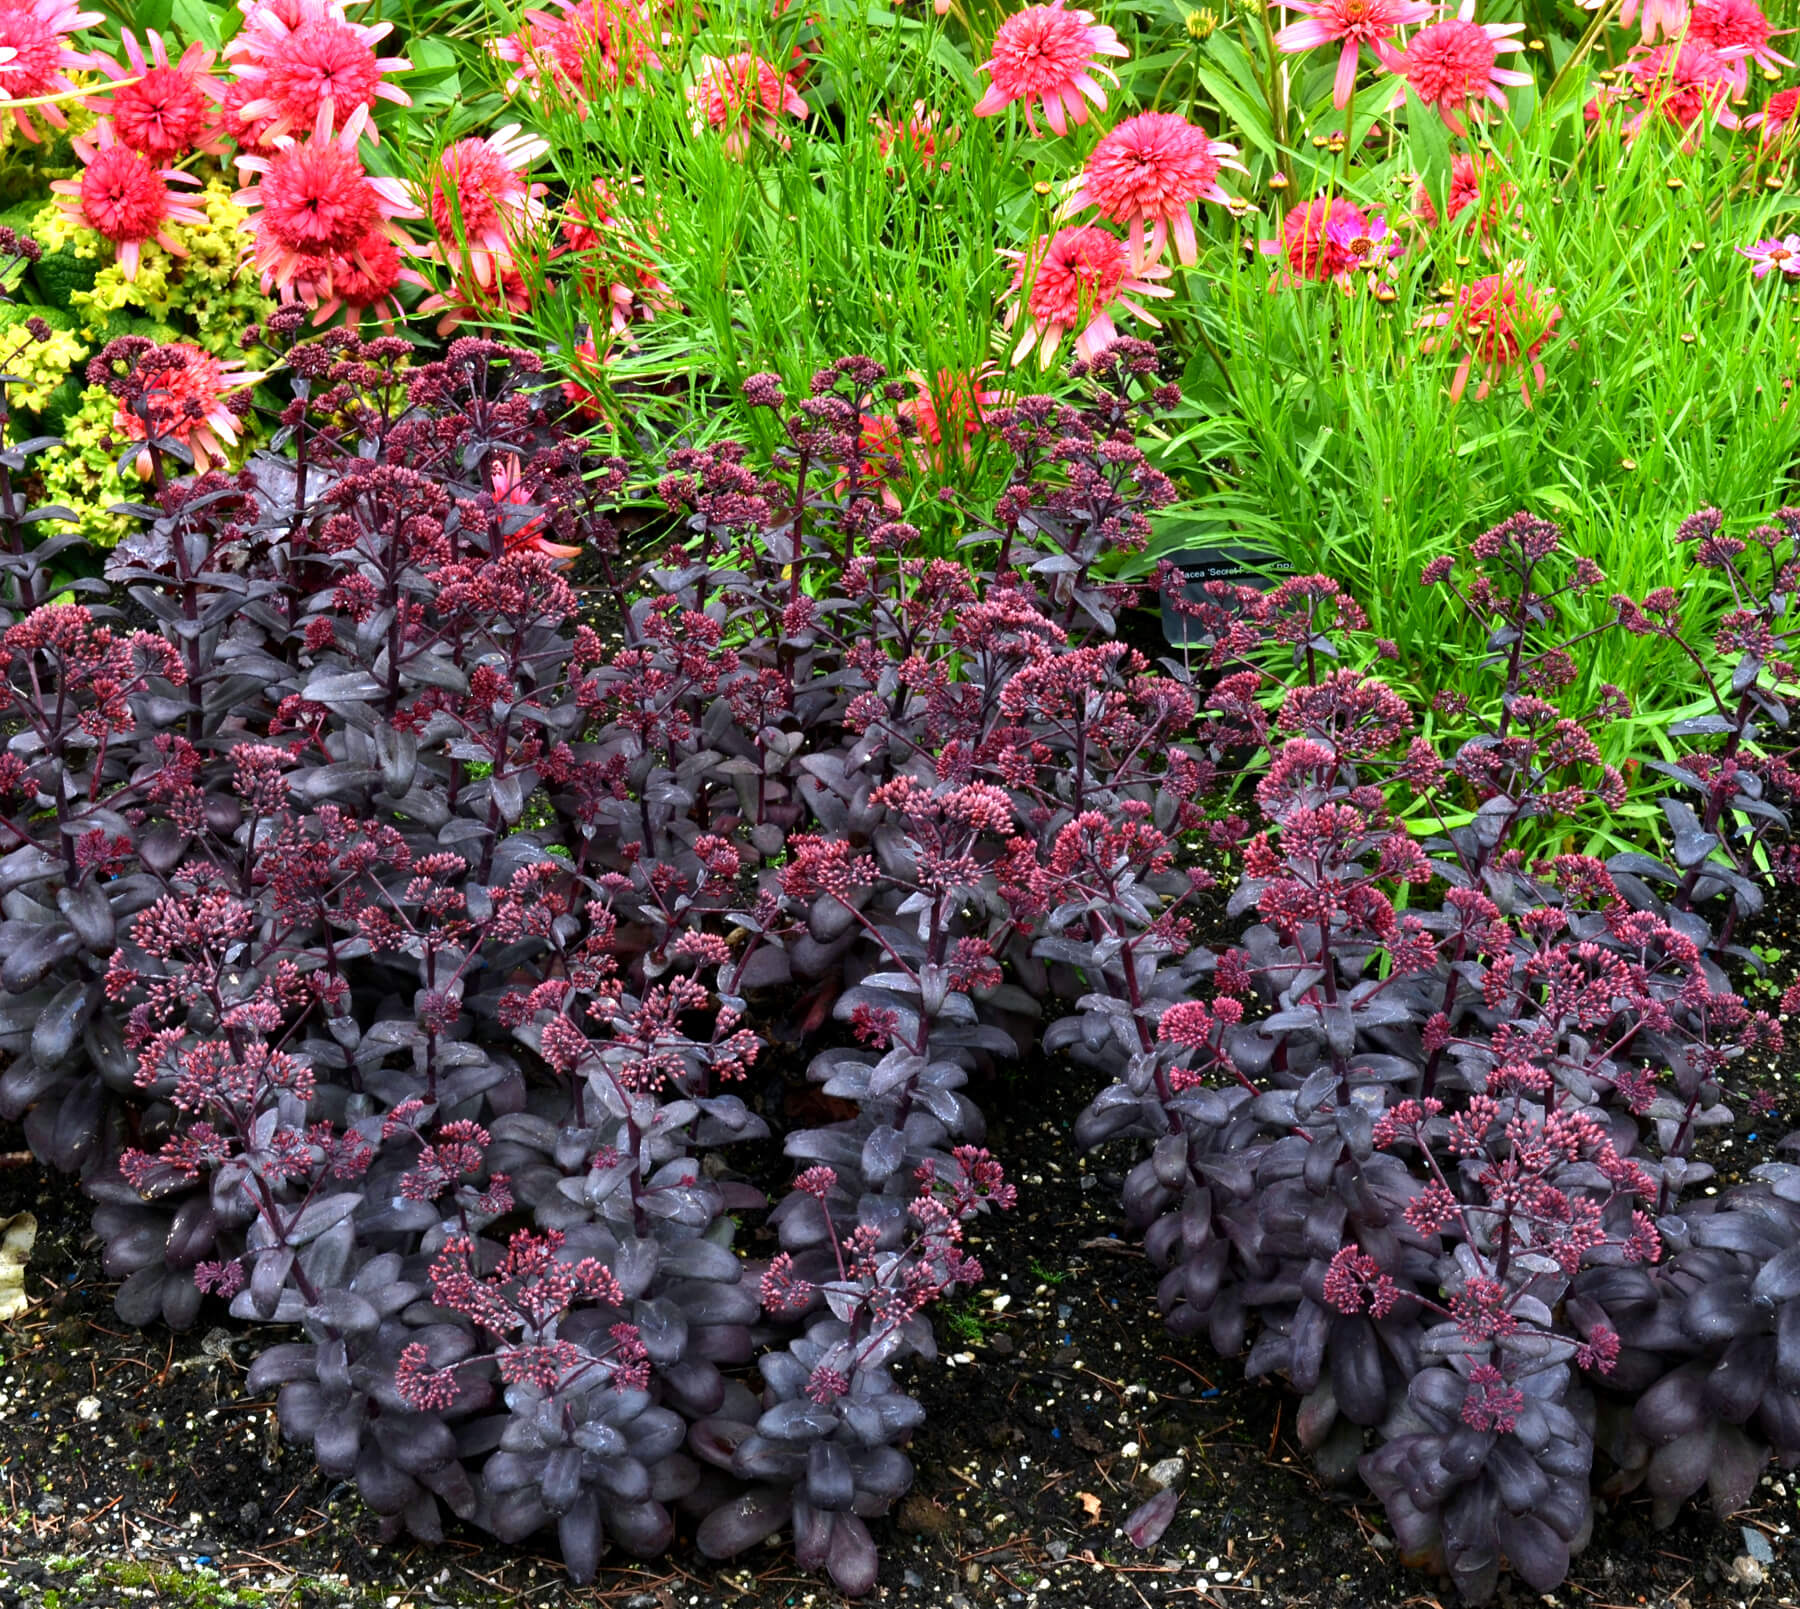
x=1166, y=1471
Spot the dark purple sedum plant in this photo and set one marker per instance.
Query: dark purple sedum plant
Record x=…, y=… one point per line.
x=390, y=954
x=1431, y=1153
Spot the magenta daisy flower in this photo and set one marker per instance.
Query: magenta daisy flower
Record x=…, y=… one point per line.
x=1499, y=324
x=1774, y=256
x=124, y=196
x=949, y=413
x=1452, y=65
x=615, y=267
x=506, y=295
x=162, y=108
x=1356, y=23
x=1073, y=283
x=740, y=94
x=1049, y=54
x=1331, y=238
x=36, y=57
x=1150, y=170
x=912, y=144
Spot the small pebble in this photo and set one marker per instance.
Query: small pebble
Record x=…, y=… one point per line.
x=1757, y=1545
x=88, y=1409
x=1746, y=1572
x=1166, y=1471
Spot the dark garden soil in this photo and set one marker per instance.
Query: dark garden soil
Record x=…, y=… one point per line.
x=134, y=1470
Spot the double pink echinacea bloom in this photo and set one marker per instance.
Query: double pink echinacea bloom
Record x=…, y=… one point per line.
x=1048, y=56
x=1499, y=324
x=1149, y=171
x=1073, y=283
x=740, y=94
x=1353, y=22
x=1454, y=65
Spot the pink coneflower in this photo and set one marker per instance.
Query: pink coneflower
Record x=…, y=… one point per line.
x=1451, y=65
x=1151, y=169
x=268, y=23
x=590, y=46
x=171, y=109
x=1077, y=279
x=326, y=68
x=1770, y=256
x=356, y=283
x=614, y=266
x=1467, y=174
x=481, y=203
x=1682, y=84
x=1498, y=323
x=36, y=57
x=249, y=134
x=1668, y=16
x=949, y=412
x=918, y=136
x=315, y=201
x=883, y=452
x=742, y=93
x=1728, y=26
x=580, y=388
x=1776, y=119
x=1356, y=23
x=1331, y=238
x=189, y=394
x=1049, y=54
x=510, y=492
x=123, y=195
x=505, y=295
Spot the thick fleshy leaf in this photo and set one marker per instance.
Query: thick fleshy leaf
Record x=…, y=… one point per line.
x=743, y=1522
